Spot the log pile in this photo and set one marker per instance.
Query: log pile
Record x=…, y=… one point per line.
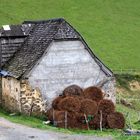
x=84, y=109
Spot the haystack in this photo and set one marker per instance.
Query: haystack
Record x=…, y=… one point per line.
x=116, y=120
x=56, y=102
x=57, y=117
x=89, y=107
x=93, y=93
x=71, y=104
x=49, y=114
x=73, y=90
x=95, y=123
x=106, y=106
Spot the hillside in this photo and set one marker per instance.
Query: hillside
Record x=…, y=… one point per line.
x=111, y=28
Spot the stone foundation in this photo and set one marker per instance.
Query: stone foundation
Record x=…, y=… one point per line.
x=31, y=100
x=19, y=96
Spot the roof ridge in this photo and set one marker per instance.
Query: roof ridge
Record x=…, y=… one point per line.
x=43, y=21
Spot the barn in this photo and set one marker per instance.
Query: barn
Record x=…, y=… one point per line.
x=40, y=58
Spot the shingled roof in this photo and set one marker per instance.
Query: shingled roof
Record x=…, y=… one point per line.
x=37, y=42
x=11, y=38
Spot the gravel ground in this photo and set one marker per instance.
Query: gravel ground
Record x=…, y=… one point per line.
x=12, y=131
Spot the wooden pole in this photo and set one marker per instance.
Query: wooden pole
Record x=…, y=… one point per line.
x=53, y=118
x=66, y=119
x=86, y=121
x=101, y=119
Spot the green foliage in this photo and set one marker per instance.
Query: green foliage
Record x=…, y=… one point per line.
x=110, y=27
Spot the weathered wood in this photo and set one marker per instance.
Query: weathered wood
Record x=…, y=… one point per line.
x=86, y=121
x=101, y=120
x=8, y=47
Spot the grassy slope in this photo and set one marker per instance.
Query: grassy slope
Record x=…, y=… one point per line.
x=111, y=27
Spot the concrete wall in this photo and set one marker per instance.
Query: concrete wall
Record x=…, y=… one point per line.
x=65, y=63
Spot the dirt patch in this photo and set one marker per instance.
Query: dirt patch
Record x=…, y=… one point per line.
x=120, y=90
x=134, y=85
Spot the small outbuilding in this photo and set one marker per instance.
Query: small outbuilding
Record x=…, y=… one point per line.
x=41, y=58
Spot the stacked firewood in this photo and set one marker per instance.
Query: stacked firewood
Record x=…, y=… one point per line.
x=84, y=109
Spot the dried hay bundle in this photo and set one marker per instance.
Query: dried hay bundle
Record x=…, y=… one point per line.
x=57, y=117
x=95, y=123
x=56, y=102
x=71, y=104
x=106, y=106
x=49, y=114
x=72, y=120
x=116, y=120
x=73, y=90
x=89, y=107
x=93, y=93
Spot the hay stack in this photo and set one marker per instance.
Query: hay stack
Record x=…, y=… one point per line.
x=89, y=107
x=72, y=120
x=73, y=90
x=58, y=118
x=49, y=114
x=77, y=104
x=93, y=93
x=71, y=104
x=106, y=106
x=81, y=122
x=56, y=102
x=95, y=123
x=116, y=120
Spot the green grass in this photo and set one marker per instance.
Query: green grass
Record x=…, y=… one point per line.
x=110, y=27
x=116, y=134
x=131, y=96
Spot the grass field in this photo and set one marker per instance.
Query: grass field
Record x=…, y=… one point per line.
x=110, y=27
x=38, y=123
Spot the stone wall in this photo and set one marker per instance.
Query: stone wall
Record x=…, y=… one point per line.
x=11, y=94
x=19, y=96
x=31, y=100
x=110, y=90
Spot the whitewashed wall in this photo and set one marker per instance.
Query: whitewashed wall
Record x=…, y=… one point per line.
x=65, y=63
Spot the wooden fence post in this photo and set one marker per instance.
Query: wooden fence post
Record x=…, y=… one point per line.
x=101, y=119
x=66, y=114
x=86, y=121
